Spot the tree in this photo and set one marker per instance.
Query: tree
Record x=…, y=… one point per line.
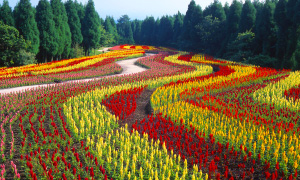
x=282, y=22
x=74, y=23
x=90, y=28
x=233, y=20
x=137, y=31
x=147, y=30
x=210, y=35
x=241, y=48
x=216, y=10
x=192, y=18
x=165, y=33
x=226, y=9
x=62, y=27
x=124, y=30
x=177, y=29
x=48, y=35
x=11, y=43
x=265, y=30
x=25, y=22
x=6, y=15
x=248, y=16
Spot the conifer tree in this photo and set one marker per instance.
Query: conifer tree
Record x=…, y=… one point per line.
x=62, y=27
x=25, y=22
x=248, y=17
x=6, y=15
x=192, y=18
x=48, y=35
x=74, y=22
x=90, y=27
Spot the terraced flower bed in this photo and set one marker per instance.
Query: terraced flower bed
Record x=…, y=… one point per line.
x=189, y=116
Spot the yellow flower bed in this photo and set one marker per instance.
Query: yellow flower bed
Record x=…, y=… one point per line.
x=274, y=93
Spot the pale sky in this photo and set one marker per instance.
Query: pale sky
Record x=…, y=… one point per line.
x=137, y=9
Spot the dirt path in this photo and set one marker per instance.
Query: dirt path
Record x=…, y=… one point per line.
x=128, y=67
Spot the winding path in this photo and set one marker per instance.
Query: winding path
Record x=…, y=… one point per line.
x=128, y=67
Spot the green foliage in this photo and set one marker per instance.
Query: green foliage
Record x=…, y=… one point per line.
x=48, y=35
x=124, y=30
x=25, y=58
x=25, y=22
x=137, y=31
x=192, y=18
x=74, y=23
x=216, y=10
x=165, y=33
x=147, y=30
x=90, y=27
x=241, y=48
x=62, y=27
x=11, y=43
x=248, y=17
x=233, y=19
x=210, y=34
x=6, y=15
x=266, y=29
x=262, y=60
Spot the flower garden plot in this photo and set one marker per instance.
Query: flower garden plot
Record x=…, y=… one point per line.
x=63, y=70
x=104, y=129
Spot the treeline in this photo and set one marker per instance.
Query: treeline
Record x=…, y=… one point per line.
x=262, y=33
x=52, y=30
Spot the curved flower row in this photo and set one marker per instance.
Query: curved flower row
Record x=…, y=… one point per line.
x=63, y=65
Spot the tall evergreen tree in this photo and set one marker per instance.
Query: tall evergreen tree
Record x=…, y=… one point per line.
x=233, y=20
x=124, y=30
x=147, y=30
x=25, y=22
x=91, y=27
x=226, y=9
x=216, y=10
x=137, y=31
x=282, y=22
x=74, y=22
x=46, y=26
x=165, y=34
x=265, y=31
x=248, y=17
x=177, y=29
x=61, y=25
x=6, y=15
x=192, y=18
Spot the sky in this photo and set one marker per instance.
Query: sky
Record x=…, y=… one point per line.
x=137, y=9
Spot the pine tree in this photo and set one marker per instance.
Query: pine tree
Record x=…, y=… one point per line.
x=165, y=34
x=280, y=17
x=226, y=9
x=62, y=27
x=192, y=18
x=216, y=10
x=148, y=26
x=74, y=22
x=48, y=35
x=178, y=25
x=25, y=22
x=233, y=19
x=248, y=17
x=137, y=31
x=91, y=27
x=124, y=30
x=6, y=15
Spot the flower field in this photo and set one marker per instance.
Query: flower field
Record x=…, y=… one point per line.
x=189, y=116
x=70, y=69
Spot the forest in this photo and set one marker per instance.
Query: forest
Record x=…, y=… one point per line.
x=254, y=32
